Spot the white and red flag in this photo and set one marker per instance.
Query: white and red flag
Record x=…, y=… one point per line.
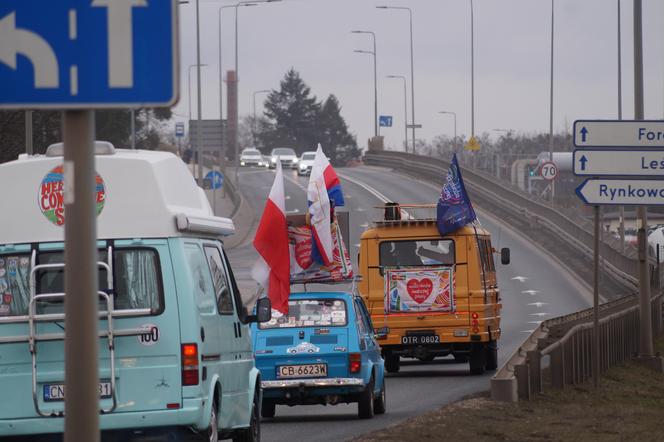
x=272, y=269
x=323, y=193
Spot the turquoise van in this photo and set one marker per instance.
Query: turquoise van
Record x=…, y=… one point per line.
x=174, y=341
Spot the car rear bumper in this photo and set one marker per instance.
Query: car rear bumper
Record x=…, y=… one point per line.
x=190, y=415
x=313, y=383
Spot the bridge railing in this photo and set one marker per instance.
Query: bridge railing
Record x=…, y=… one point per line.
x=574, y=231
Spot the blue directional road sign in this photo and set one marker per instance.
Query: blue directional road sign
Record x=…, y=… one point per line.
x=608, y=191
x=84, y=54
x=179, y=130
x=216, y=178
x=593, y=162
x=385, y=121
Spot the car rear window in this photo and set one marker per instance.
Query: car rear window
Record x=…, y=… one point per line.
x=136, y=276
x=420, y=253
x=283, y=151
x=251, y=152
x=309, y=156
x=310, y=313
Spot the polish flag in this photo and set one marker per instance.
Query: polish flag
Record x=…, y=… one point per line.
x=323, y=193
x=272, y=269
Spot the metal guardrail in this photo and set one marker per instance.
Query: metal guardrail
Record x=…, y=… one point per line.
x=575, y=234
x=568, y=358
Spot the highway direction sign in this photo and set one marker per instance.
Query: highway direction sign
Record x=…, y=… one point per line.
x=88, y=53
x=588, y=162
x=385, y=121
x=618, y=133
x=608, y=191
x=549, y=171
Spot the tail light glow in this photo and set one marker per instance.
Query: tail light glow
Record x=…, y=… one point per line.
x=190, y=364
x=355, y=362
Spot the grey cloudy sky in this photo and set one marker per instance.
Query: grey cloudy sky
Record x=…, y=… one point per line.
x=511, y=60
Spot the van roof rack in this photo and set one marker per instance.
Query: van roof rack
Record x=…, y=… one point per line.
x=396, y=214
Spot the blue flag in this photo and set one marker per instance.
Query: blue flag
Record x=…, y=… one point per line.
x=454, y=207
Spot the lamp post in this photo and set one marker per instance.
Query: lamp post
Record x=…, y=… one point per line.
x=198, y=138
x=373, y=35
x=412, y=68
x=472, y=71
x=405, y=110
x=455, y=124
x=551, y=105
x=264, y=91
x=621, y=209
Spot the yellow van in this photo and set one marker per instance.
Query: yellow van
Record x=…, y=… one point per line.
x=431, y=295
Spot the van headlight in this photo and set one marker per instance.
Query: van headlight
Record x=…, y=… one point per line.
x=274, y=160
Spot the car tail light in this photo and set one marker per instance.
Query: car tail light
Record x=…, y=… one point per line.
x=355, y=362
x=474, y=315
x=189, y=364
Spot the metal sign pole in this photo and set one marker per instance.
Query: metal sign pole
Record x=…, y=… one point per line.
x=595, y=355
x=28, y=133
x=81, y=341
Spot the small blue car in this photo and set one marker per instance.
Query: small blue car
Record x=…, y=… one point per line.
x=323, y=352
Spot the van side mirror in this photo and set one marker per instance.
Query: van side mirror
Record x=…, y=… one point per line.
x=382, y=333
x=504, y=256
x=263, y=310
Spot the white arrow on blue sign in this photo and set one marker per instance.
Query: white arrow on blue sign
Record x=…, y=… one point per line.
x=81, y=54
x=216, y=179
x=590, y=162
x=618, y=133
x=597, y=192
x=385, y=121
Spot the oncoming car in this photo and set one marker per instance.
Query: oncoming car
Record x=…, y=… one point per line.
x=251, y=157
x=286, y=155
x=323, y=352
x=306, y=163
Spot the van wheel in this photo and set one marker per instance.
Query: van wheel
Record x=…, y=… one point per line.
x=477, y=359
x=391, y=362
x=380, y=403
x=365, y=406
x=253, y=433
x=268, y=408
x=212, y=432
x=491, y=355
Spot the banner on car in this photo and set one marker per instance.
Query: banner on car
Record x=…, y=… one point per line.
x=419, y=290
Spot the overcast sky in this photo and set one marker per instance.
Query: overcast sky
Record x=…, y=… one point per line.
x=512, y=60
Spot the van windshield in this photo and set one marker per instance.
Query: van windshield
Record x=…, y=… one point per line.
x=136, y=277
x=420, y=253
x=309, y=313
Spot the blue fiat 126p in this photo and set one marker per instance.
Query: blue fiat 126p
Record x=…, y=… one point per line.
x=324, y=351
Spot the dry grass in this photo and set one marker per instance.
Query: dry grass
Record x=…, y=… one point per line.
x=629, y=405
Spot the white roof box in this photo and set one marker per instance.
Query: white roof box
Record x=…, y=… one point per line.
x=140, y=194
x=101, y=148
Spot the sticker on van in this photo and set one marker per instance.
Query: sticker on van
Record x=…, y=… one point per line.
x=51, y=195
x=150, y=338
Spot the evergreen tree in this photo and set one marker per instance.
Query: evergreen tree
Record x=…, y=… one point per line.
x=339, y=145
x=293, y=115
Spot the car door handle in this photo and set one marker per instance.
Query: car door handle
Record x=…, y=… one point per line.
x=211, y=357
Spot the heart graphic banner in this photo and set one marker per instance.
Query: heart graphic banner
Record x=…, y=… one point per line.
x=414, y=290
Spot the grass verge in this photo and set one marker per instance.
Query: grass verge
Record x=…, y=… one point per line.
x=629, y=405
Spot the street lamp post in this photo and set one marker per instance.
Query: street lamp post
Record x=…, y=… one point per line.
x=405, y=110
x=197, y=137
x=551, y=105
x=412, y=68
x=373, y=35
x=455, y=125
x=264, y=91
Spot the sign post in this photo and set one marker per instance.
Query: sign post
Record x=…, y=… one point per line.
x=80, y=55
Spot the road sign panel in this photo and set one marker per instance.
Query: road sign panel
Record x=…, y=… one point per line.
x=618, y=133
x=472, y=144
x=589, y=162
x=216, y=179
x=88, y=53
x=621, y=192
x=179, y=129
x=549, y=170
x=385, y=121
x=414, y=126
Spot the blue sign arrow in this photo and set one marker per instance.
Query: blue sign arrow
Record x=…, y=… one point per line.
x=88, y=53
x=385, y=121
x=216, y=178
x=583, y=160
x=584, y=133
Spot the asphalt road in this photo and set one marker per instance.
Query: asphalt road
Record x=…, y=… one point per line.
x=533, y=288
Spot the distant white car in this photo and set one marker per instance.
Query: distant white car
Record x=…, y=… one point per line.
x=286, y=155
x=306, y=163
x=656, y=242
x=250, y=157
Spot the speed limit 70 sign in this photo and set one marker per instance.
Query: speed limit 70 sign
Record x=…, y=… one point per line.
x=549, y=170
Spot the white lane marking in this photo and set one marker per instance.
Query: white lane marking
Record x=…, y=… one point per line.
x=364, y=225
x=372, y=191
x=538, y=304
x=530, y=292
x=520, y=278
x=292, y=211
x=288, y=197
x=527, y=331
x=297, y=183
x=348, y=196
x=535, y=322
x=540, y=314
